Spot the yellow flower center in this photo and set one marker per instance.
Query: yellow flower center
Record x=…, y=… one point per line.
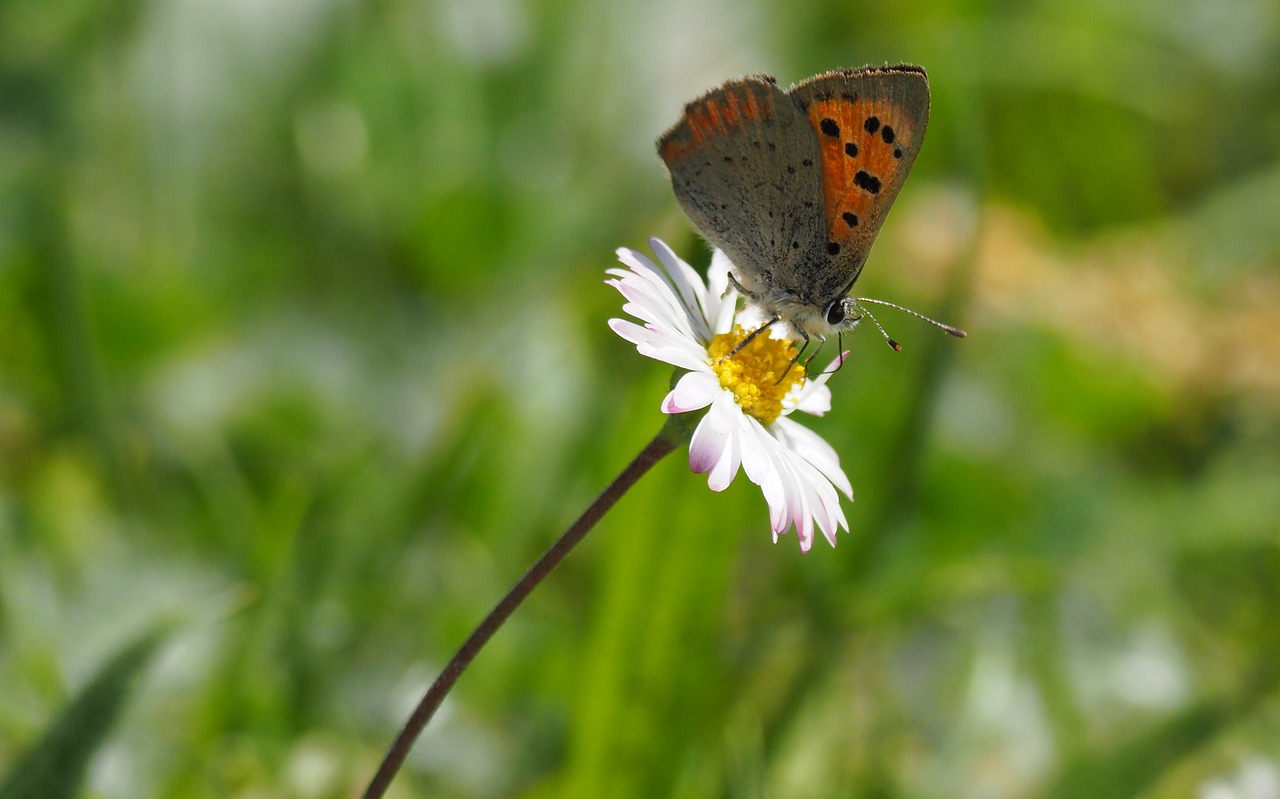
x=753, y=373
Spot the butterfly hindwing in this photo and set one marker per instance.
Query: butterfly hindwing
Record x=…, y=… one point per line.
x=746, y=169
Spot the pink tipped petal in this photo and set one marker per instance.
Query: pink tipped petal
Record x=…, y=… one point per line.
x=838, y=523
x=644, y=279
x=722, y=474
x=709, y=439
x=779, y=513
x=836, y=363
x=705, y=449
x=822, y=501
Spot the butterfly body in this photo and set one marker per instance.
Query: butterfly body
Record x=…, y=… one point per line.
x=793, y=186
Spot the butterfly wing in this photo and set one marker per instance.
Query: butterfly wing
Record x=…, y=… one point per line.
x=869, y=125
x=745, y=168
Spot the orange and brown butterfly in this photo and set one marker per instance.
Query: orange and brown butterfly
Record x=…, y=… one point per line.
x=793, y=186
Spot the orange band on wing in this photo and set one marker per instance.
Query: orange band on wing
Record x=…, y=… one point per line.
x=862, y=146
x=718, y=113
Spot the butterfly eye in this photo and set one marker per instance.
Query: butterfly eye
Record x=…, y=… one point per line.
x=835, y=312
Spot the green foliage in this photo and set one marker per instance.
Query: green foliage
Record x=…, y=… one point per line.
x=54, y=767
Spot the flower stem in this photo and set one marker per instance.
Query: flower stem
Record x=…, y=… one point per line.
x=661, y=445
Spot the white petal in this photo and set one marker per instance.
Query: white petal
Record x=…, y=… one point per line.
x=662, y=345
x=797, y=511
x=674, y=354
x=818, y=498
x=635, y=259
x=722, y=299
x=814, y=449
x=799, y=493
x=629, y=330
x=651, y=300
x=654, y=296
x=814, y=399
x=760, y=461
x=757, y=455
x=688, y=285
x=692, y=392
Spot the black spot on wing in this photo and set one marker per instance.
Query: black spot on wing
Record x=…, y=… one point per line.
x=868, y=182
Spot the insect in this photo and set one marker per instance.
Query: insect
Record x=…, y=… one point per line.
x=793, y=186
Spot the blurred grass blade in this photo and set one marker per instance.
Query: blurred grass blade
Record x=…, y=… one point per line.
x=54, y=767
x=1132, y=767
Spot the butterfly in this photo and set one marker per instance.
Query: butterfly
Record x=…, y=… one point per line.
x=793, y=186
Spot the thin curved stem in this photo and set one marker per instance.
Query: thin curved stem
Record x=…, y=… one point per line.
x=653, y=452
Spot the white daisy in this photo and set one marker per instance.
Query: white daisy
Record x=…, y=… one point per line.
x=692, y=325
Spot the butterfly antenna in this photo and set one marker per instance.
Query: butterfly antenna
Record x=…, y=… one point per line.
x=889, y=340
x=954, y=331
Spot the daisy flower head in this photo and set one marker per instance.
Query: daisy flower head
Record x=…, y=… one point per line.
x=747, y=398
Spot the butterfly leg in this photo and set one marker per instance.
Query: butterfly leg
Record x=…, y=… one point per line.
x=799, y=352
x=749, y=338
x=839, y=346
x=733, y=281
x=809, y=360
x=839, y=361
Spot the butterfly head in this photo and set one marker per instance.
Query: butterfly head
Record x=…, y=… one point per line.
x=807, y=317
x=841, y=315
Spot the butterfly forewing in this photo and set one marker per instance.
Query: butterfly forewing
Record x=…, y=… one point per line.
x=745, y=168
x=868, y=126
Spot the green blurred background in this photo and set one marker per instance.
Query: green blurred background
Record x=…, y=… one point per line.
x=303, y=360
